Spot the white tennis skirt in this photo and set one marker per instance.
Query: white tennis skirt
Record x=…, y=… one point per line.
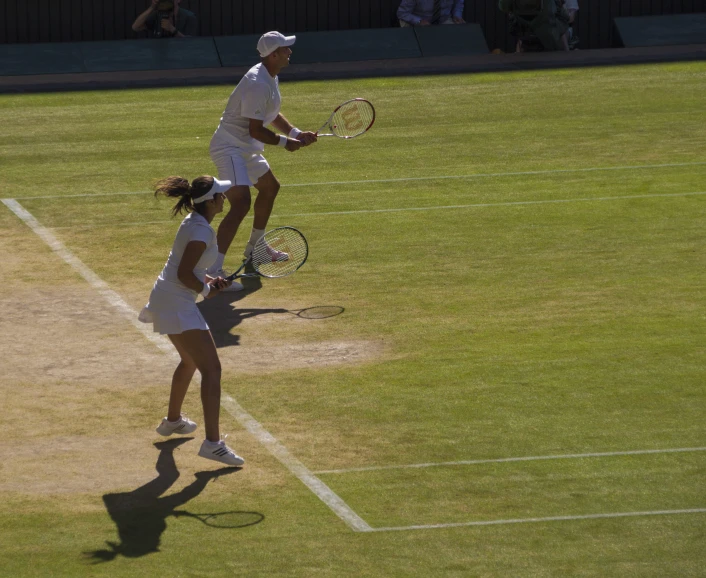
x=172, y=314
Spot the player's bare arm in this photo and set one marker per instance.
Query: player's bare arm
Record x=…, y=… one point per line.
x=260, y=132
x=192, y=253
x=285, y=127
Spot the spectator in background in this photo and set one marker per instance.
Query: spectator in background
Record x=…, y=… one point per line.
x=428, y=12
x=572, y=7
x=165, y=19
x=537, y=24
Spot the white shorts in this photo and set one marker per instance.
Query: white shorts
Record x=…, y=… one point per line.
x=236, y=165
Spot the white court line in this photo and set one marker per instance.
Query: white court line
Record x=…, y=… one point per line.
x=503, y=460
x=413, y=179
x=549, y=519
x=404, y=209
x=321, y=490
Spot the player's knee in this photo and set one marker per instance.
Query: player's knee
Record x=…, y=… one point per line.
x=212, y=372
x=272, y=189
x=241, y=203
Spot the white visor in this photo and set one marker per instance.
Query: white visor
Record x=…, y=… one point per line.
x=218, y=187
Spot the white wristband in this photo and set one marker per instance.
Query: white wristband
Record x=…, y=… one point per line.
x=294, y=133
x=206, y=290
x=283, y=140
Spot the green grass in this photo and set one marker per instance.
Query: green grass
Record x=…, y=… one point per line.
x=531, y=320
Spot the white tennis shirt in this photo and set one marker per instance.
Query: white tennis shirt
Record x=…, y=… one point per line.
x=256, y=96
x=193, y=228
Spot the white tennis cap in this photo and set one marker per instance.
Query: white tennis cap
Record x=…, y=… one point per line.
x=271, y=41
x=217, y=187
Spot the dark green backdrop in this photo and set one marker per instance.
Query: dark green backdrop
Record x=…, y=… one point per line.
x=23, y=21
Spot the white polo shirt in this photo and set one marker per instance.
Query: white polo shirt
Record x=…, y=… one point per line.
x=256, y=96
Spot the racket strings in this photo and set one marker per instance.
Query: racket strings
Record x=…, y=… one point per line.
x=353, y=118
x=280, y=252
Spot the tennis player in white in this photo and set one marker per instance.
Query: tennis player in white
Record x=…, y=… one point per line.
x=173, y=312
x=239, y=141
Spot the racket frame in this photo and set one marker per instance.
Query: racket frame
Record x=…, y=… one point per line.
x=238, y=275
x=330, y=118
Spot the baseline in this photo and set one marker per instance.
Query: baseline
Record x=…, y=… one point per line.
x=319, y=488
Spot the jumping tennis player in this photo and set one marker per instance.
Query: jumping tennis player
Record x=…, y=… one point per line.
x=172, y=309
x=237, y=145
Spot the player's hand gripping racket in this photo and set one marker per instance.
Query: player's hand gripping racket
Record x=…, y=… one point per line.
x=349, y=120
x=278, y=253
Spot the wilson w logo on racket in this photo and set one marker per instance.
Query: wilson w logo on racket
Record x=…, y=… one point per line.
x=351, y=119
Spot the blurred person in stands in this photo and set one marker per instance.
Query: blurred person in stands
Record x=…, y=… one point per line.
x=537, y=24
x=430, y=12
x=572, y=7
x=165, y=19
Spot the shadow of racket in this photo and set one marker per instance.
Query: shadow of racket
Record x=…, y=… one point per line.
x=234, y=519
x=317, y=312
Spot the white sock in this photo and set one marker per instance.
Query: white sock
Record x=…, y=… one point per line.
x=256, y=235
x=219, y=262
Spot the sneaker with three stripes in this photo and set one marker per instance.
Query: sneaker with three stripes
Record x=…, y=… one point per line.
x=220, y=452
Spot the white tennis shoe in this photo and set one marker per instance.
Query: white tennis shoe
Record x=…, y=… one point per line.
x=220, y=452
x=235, y=286
x=277, y=256
x=182, y=426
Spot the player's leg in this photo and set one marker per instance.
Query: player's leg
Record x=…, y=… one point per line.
x=267, y=188
x=232, y=165
x=198, y=344
x=175, y=422
x=240, y=201
x=181, y=380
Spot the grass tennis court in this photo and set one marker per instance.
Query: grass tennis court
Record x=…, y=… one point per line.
x=512, y=386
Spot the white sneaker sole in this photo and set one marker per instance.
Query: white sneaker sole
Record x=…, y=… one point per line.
x=225, y=458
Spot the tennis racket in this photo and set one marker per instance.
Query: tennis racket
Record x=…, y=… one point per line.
x=278, y=253
x=351, y=119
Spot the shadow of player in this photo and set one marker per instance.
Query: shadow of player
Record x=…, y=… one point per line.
x=140, y=515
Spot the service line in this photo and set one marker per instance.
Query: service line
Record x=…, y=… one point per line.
x=415, y=209
x=425, y=178
x=504, y=460
x=539, y=520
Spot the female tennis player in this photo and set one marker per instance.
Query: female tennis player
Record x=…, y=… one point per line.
x=172, y=308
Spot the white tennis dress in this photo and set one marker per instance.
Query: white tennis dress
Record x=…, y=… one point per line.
x=172, y=305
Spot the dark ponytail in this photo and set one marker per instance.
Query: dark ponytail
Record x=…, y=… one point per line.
x=179, y=187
